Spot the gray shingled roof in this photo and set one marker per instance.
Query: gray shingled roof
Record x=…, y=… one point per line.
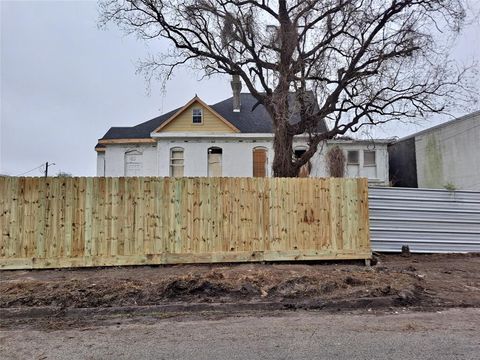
x=246, y=120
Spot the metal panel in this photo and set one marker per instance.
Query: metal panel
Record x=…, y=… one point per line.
x=427, y=220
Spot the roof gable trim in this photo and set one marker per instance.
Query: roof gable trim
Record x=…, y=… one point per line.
x=186, y=106
x=126, y=141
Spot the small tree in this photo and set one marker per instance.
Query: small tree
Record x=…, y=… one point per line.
x=336, y=162
x=366, y=61
x=63, y=174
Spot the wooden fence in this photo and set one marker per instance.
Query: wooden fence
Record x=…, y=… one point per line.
x=72, y=222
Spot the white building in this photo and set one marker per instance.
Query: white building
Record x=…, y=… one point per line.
x=443, y=156
x=230, y=138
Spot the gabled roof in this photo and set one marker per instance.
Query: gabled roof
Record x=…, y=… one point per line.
x=196, y=99
x=247, y=120
x=257, y=120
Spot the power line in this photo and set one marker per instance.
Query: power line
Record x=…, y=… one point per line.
x=29, y=171
x=46, y=165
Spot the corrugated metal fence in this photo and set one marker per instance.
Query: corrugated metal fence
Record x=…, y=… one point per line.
x=427, y=220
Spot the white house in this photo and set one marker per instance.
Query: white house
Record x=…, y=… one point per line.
x=230, y=138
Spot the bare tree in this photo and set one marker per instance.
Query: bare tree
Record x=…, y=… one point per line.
x=336, y=162
x=366, y=61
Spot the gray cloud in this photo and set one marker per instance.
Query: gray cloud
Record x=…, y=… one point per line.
x=64, y=83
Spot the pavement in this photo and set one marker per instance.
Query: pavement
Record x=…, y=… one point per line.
x=450, y=334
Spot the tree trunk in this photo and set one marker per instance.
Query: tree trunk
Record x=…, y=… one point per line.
x=283, y=165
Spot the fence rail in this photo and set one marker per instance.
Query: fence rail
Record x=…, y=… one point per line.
x=427, y=220
x=68, y=222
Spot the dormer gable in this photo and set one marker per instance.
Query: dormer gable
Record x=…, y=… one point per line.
x=196, y=116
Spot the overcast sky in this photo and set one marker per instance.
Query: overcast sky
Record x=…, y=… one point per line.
x=64, y=82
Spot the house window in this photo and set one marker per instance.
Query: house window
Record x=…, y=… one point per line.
x=369, y=158
x=133, y=163
x=306, y=168
x=352, y=157
x=259, y=162
x=299, y=151
x=215, y=161
x=176, y=162
x=197, y=116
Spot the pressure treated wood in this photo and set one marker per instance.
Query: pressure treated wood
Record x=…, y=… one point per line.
x=73, y=222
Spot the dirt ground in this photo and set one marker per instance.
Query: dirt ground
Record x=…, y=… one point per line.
x=421, y=281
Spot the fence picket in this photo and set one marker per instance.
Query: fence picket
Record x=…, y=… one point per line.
x=58, y=222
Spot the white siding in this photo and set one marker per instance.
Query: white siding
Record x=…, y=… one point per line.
x=100, y=163
x=376, y=175
x=115, y=159
x=237, y=158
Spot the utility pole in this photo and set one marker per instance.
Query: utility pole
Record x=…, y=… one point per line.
x=46, y=168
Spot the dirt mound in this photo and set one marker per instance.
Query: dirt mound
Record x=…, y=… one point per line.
x=263, y=284
x=410, y=281
x=194, y=287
